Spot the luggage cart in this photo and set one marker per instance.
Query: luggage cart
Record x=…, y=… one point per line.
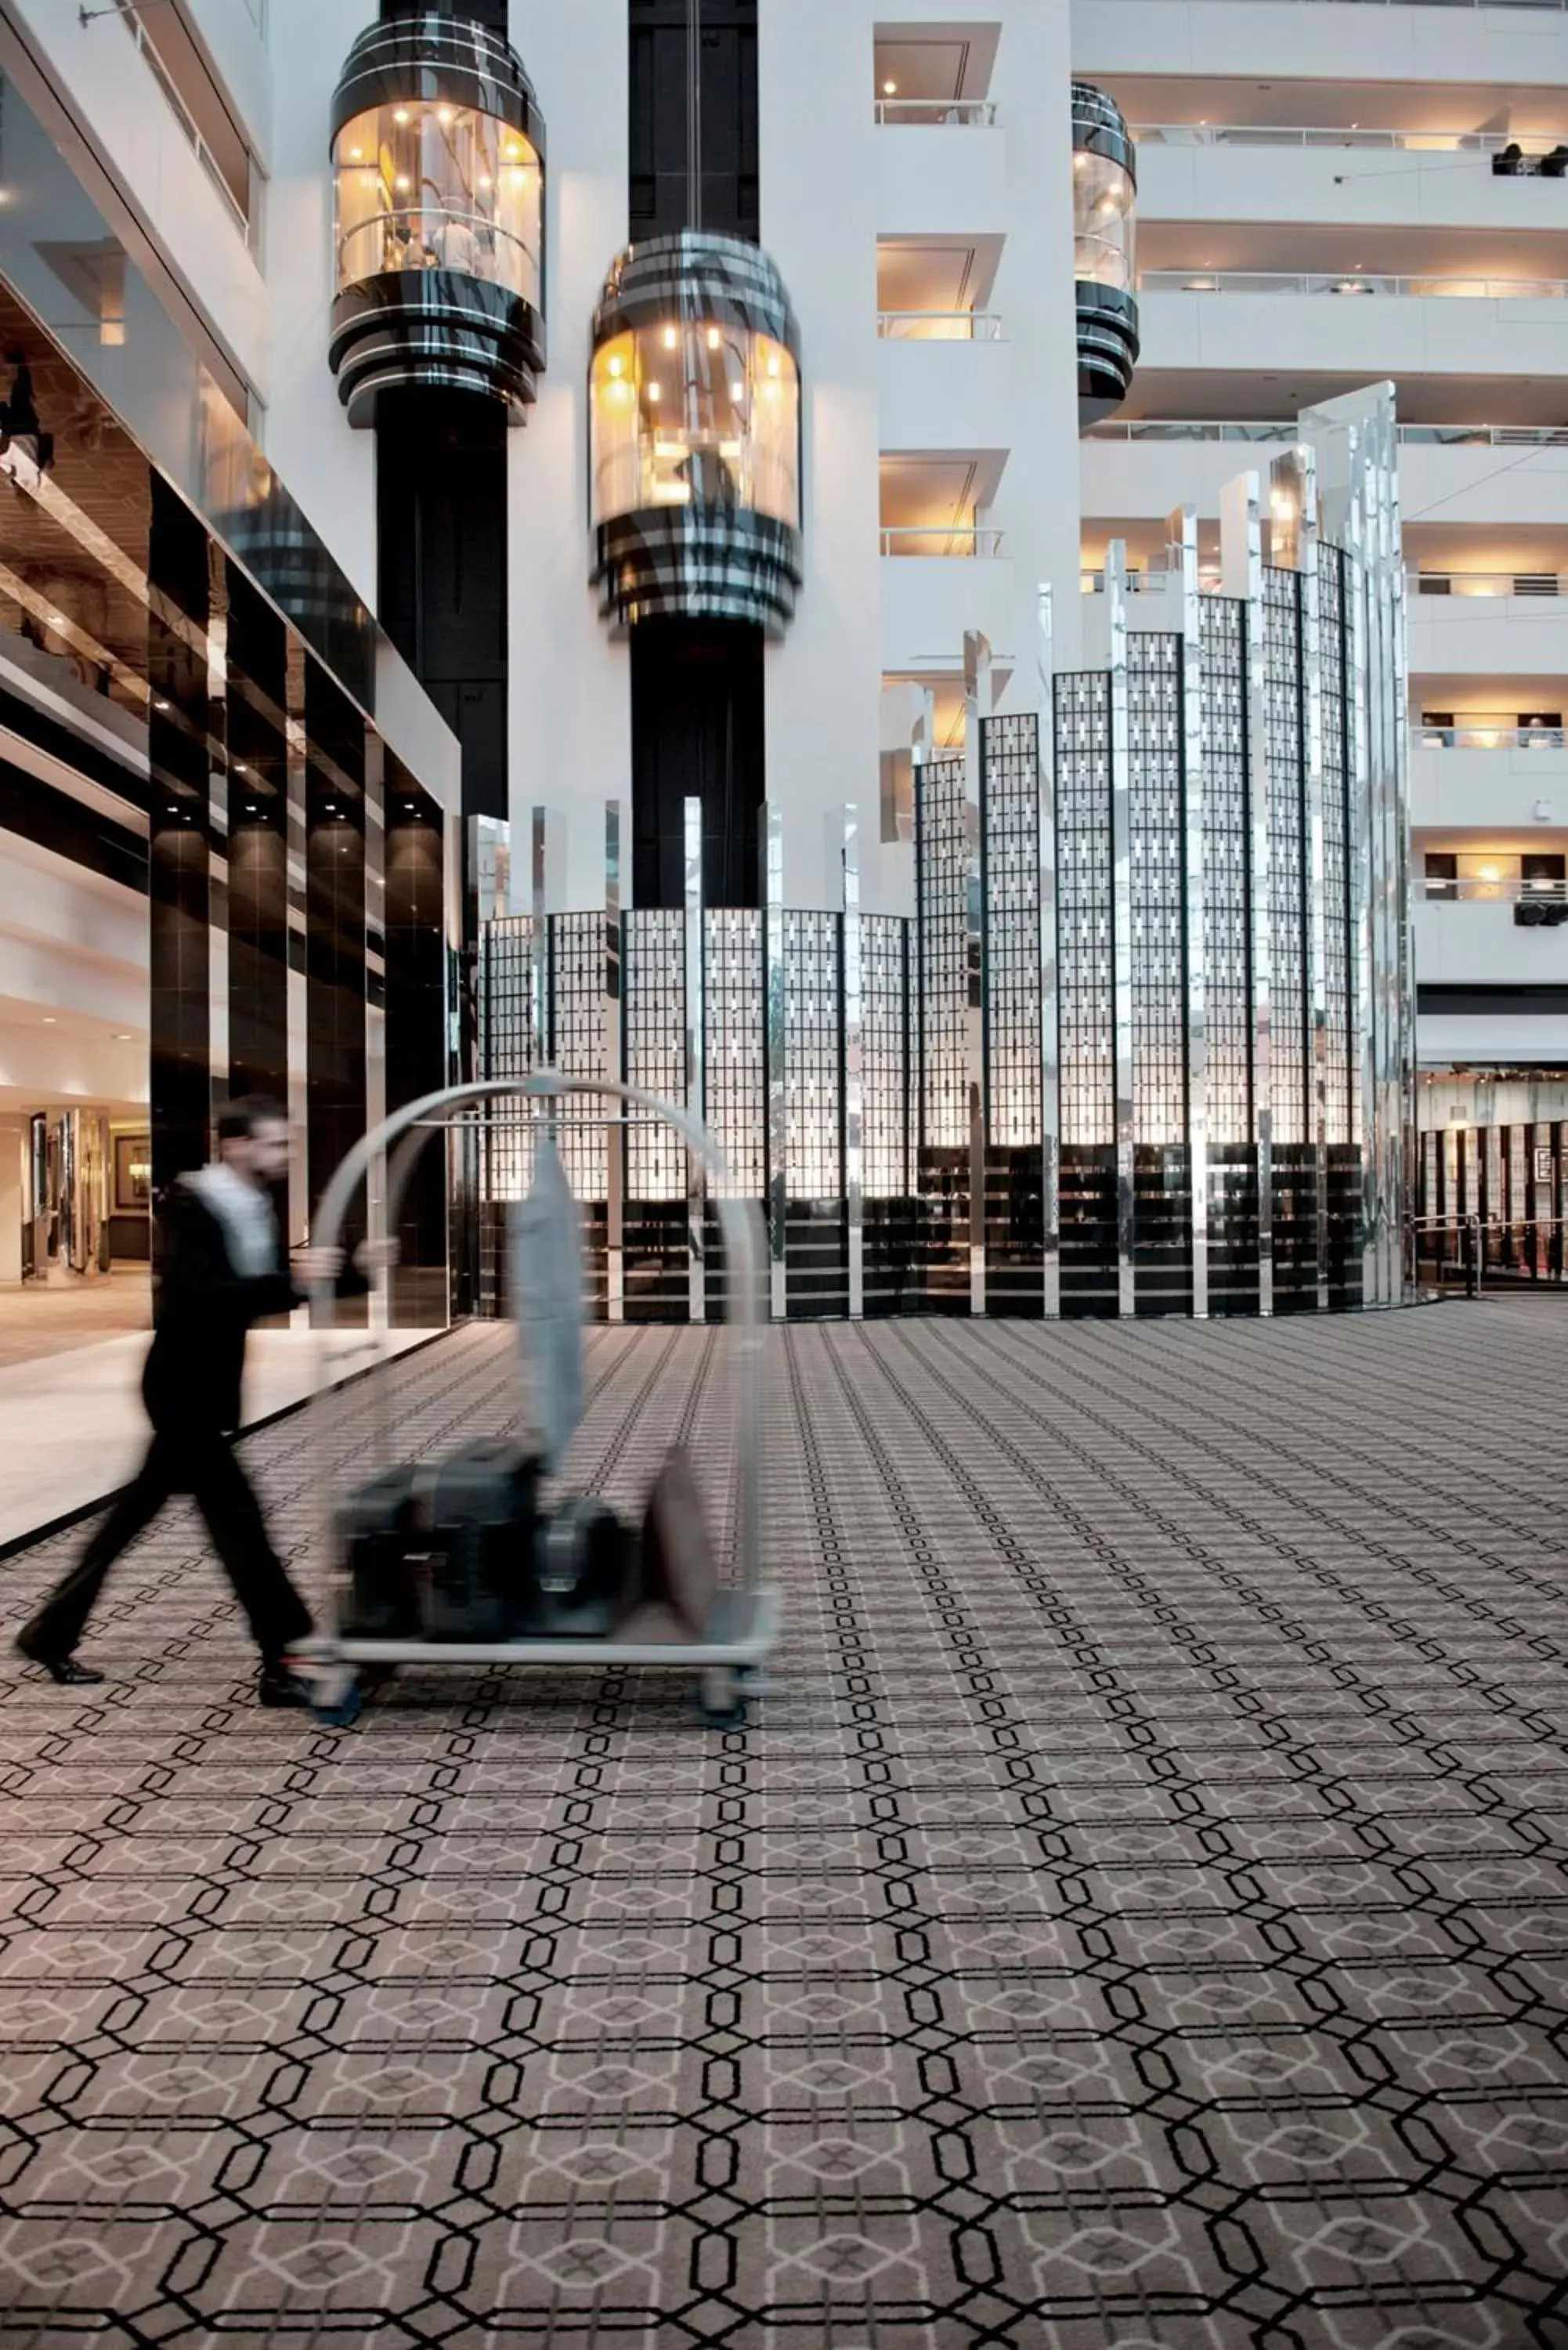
x=742, y=1622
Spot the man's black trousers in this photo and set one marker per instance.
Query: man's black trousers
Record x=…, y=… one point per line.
x=202, y=1464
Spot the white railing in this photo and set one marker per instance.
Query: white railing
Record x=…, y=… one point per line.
x=184, y=116
x=1523, y=584
x=1284, y=134
x=1470, y=891
x=1331, y=281
x=966, y=113
x=1476, y=735
x=963, y=539
x=1498, y=5
x=939, y=326
x=1439, y=436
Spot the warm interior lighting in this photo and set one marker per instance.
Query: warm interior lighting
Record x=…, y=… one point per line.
x=713, y=338
x=356, y=154
x=772, y=365
x=445, y=113
x=671, y=338
x=890, y=89
x=400, y=114
x=615, y=363
x=737, y=390
x=654, y=392
x=402, y=180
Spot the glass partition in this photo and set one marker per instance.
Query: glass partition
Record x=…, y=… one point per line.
x=1103, y=220
x=437, y=187
x=694, y=414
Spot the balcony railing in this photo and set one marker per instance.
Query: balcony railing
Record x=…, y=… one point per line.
x=1474, y=736
x=939, y=113
x=1285, y=134
x=1439, y=436
x=1437, y=3
x=184, y=116
x=939, y=326
x=1468, y=890
x=963, y=539
x=1523, y=584
x=1330, y=281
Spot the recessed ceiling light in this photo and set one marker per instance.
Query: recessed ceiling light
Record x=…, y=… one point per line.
x=123, y=1036
x=49, y=1019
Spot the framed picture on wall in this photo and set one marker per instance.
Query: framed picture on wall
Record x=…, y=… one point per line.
x=133, y=1174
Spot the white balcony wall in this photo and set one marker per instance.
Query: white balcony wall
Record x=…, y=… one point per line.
x=946, y=177
x=1486, y=636
x=1465, y=942
x=1446, y=1040
x=133, y=134
x=1490, y=791
x=1345, y=186
x=71, y=942
x=1279, y=42
x=939, y=395
x=1370, y=336
x=928, y=602
x=1498, y=487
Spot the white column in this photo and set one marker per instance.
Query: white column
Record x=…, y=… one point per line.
x=570, y=719
x=818, y=164
x=13, y=1144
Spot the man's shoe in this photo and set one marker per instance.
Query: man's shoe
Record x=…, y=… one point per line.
x=277, y=1685
x=64, y=1670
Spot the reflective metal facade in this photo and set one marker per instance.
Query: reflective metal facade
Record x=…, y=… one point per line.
x=1166, y=898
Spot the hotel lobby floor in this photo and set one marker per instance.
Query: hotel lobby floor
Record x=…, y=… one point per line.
x=1137, y=1915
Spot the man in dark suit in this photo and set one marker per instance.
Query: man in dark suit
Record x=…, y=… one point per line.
x=219, y=1268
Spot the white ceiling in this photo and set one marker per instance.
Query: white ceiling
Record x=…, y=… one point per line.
x=936, y=273
x=1336, y=105
x=1266, y=394
x=935, y=60
x=1321, y=246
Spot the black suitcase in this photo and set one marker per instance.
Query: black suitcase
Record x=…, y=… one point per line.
x=585, y=1571
x=473, y=1562
x=376, y=1530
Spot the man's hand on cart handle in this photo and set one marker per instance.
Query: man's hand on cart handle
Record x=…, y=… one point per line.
x=372, y=1257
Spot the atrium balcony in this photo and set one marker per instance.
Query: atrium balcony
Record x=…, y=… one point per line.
x=1349, y=178
x=1362, y=327
x=1496, y=778
x=940, y=164
x=938, y=582
x=1478, y=624
x=944, y=380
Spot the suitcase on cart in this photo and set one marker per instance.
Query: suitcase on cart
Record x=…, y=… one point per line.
x=463, y=1553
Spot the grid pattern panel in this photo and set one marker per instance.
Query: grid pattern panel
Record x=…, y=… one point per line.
x=579, y=1047
x=943, y=870
x=1336, y=835
x=1283, y=751
x=813, y=1094
x=656, y=1045
x=1227, y=974
x=734, y=1048
x=884, y=1056
x=1518, y=1172
x=1084, y=915
x=1494, y=1204
x=1011, y=821
x=1159, y=928
x=505, y=1048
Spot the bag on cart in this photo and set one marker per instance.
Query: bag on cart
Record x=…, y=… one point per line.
x=585, y=1572
x=377, y=1533
x=473, y=1560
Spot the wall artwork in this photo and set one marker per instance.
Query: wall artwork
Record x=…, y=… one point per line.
x=133, y=1174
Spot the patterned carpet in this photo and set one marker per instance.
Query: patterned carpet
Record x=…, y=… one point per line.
x=1138, y=1915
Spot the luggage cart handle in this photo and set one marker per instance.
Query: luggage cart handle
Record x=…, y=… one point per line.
x=740, y=1222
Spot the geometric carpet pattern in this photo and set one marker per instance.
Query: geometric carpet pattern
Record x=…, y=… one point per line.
x=1137, y=1913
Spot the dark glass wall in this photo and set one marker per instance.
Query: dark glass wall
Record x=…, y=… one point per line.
x=258, y=843
x=697, y=732
x=660, y=54
x=697, y=713
x=185, y=907
x=416, y=1029
x=334, y=925
x=440, y=476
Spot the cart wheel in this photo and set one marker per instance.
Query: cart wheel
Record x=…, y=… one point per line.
x=722, y=1698
x=339, y=1707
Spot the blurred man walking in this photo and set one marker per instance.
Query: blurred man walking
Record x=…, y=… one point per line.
x=220, y=1267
